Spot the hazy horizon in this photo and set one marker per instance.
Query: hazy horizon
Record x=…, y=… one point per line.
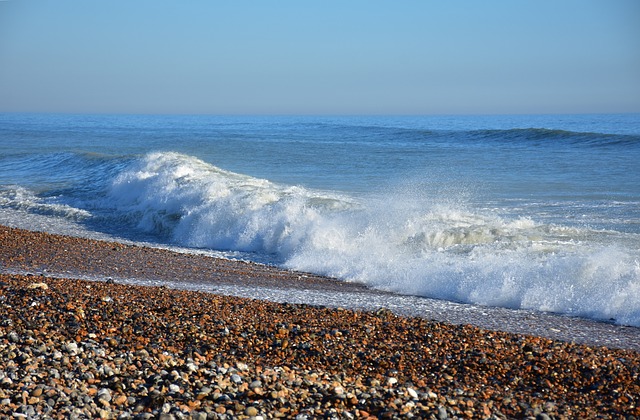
x=312, y=58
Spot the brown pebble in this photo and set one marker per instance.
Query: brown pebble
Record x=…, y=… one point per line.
x=151, y=348
x=120, y=399
x=251, y=411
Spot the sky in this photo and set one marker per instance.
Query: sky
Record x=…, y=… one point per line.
x=320, y=57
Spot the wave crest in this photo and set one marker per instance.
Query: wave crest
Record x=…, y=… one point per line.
x=199, y=205
x=436, y=246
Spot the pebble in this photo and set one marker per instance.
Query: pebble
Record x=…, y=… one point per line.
x=71, y=348
x=251, y=411
x=153, y=352
x=442, y=413
x=104, y=394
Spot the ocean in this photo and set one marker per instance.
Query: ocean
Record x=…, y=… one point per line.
x=537, y=212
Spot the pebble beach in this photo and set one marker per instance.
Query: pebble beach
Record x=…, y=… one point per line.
x=72, y=348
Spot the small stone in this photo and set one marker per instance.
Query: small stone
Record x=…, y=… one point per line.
x=142, y=353
x=71, y=348
x=120, y=399
x=251, y=411
x=412, y=393
x=104, y=394
x=235, y=378
x=442, y=413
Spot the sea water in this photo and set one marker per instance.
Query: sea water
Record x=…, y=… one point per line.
x=530, y=212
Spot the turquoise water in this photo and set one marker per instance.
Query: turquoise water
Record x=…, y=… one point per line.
x=536, y=212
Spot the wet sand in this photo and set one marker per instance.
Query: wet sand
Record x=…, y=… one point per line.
x=106, y=349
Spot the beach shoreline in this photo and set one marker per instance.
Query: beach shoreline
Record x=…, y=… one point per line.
x=104, y=349
x=43, y=254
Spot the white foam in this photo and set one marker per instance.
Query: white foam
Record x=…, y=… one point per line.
x=22, y=199
x=407, y=242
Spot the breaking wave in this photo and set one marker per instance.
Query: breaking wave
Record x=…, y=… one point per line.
x=401, y=241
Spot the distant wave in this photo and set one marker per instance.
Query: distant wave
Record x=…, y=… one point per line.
x=561, y=136
x=542, y=136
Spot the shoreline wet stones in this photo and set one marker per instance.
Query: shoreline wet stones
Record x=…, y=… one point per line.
x=43, y=253
x=23, y=252
x=80, y=349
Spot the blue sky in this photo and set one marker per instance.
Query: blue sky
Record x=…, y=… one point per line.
x=320, y=57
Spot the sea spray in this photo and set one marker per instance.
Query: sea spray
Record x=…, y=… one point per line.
x=200, y=205
x=435, y=246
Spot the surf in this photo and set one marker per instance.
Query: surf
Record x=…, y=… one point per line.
x=536, y=212
x=434, y=246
